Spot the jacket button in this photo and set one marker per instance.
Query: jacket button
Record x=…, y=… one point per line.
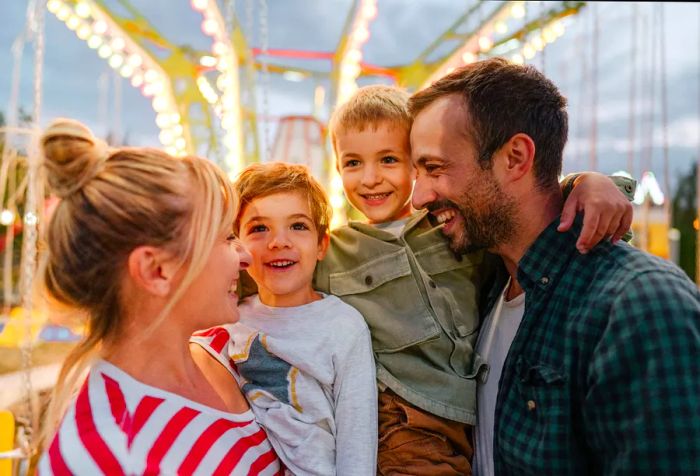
x=531, y=405
x=544, y=280
x=368, y=280
x=432, y=284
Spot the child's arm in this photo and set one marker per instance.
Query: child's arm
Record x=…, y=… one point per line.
x=605, y=204
x=355, y=392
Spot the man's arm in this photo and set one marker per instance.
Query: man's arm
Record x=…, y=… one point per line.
x=605, y=203
x=641, y=410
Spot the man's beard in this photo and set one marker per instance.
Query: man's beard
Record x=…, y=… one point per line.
x=487, y=219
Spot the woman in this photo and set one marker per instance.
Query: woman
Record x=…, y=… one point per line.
x=141, y=242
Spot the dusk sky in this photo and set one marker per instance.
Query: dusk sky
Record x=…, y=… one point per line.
x=77, y=83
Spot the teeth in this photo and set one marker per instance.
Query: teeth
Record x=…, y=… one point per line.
x=447, y=215
x=376, y=196
x=281, y=263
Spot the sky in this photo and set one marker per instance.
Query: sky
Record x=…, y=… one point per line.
x=77, y=83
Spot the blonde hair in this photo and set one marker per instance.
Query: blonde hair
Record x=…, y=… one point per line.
x=114, y=200
x=369, y=107
x=262, y=180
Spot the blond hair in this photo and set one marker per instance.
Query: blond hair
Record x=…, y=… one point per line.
x=114, y=200
x=369, y=107
x=262, y=180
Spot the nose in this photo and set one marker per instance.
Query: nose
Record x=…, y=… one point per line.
x=370, y=176
x=244, y=256
x=279, y=239
x=422, y=193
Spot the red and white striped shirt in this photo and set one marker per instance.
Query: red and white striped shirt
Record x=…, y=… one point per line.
x=118, y=425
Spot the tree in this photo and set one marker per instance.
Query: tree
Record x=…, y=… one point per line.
x=685, y=218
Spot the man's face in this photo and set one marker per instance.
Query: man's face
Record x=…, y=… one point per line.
x=468, y=200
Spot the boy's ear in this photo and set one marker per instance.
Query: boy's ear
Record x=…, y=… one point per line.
x=323, y=246
x=152, y=269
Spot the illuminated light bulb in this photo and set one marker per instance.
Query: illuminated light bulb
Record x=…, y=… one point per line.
x=362, y=34
x=354, y=55
x=548, y=35
x=175, y=118
x=104, y=51
x=180, y=143
x=558, y=28
x=517, y=58
x=116, y=61
x=227, y=122
x=7, y=217
x=537, y=43
x=501, y=27
x=337, y=201
x=63, y=12
x=83, y=10
x=449, y=70
x=222, y=65
x=171, y=150
x=166, y=137
x=485, y=43
x=99, y=27
x=351, y=69
x=53, y=6
x=163, y=120
x=336, y=182
x=30, y=219
x=207, y=61
x=160, y=103
x=178, y=129
x=135, y=60
x=148, y=90
x=137, y=80
x=219, y=48
x=468, y=57
x=126, y=71
x=369, y=11
x=83, y=31
x=151, y=75
x=528, y=51
x=73, y=22
x=157, y=87
x=199, y=5
x=118, y=43
x=94, y=42
x=209, y=27
x=518, y=10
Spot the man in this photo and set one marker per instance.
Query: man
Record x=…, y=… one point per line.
x=599, y=363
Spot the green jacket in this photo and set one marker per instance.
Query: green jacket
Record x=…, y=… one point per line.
x=421, y=305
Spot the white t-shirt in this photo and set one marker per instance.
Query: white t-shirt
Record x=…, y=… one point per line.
x=495, y=339
x=309, y=375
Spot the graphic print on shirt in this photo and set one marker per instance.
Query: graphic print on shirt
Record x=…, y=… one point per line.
x=266, y=374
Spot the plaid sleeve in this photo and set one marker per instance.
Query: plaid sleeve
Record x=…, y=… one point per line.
x=642, y=406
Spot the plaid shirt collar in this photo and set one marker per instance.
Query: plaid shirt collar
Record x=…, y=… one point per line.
x=548, y=256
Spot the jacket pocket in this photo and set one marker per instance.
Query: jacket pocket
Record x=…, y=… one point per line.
x=385, y=292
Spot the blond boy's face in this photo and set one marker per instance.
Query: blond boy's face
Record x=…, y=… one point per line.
x=282, y=238
x=375, y=165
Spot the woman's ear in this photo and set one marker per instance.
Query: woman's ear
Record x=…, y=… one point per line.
x=152, y=269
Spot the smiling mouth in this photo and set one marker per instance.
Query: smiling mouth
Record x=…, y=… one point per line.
x=444, y=216
x=281, y=264
x=375, y=196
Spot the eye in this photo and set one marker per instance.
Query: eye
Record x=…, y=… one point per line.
x=431, y=168
x=231, y=238
x=257, y=229
x=389, y=159
x=300, y=226
x=351, y=163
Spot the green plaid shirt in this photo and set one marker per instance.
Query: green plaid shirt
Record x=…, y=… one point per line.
x=603, y=376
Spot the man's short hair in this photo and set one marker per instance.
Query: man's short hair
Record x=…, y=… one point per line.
x=371, y=106
x=261, y=180
x=503, y=99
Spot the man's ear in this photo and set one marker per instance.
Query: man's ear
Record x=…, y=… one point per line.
x=518, y=157
x=152, y=269
x=323, y=246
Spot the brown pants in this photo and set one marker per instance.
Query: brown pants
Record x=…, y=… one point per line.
x=417, y=443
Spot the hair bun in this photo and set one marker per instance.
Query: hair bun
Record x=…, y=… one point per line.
x=74, y=156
